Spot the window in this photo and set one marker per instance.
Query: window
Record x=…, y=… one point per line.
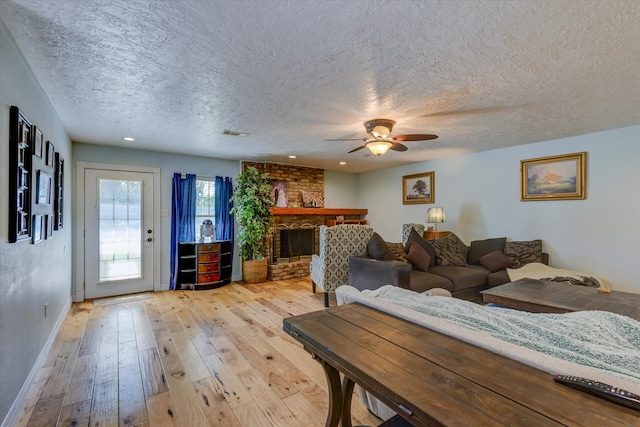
x=205, y=202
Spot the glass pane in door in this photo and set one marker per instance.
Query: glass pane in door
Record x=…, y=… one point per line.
x=120, y=229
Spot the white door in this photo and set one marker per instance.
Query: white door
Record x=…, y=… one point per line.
x=118, y=242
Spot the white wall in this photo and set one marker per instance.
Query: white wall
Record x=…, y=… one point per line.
x=168, y=164
x=30, y=275
x=481, y=196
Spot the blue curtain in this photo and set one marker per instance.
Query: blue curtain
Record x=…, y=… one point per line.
x=224, y=219
x=183, y=217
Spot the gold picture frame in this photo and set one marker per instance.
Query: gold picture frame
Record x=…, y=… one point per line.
x=418, y=188
x=554, y=178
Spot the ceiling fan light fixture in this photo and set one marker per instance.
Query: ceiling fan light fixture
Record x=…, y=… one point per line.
x=378, y=147
x=379, y=128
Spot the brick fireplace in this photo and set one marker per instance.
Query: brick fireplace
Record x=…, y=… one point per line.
x=288, y=220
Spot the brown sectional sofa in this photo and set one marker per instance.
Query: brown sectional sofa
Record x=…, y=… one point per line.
x=451, y=264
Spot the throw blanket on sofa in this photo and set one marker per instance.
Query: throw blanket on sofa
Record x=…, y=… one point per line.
x=536, y=270
x=593, y=344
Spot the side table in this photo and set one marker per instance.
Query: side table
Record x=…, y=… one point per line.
x=435, y=234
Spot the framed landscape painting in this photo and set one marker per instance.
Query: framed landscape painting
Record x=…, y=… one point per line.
x=418, y=188
x=554, y=178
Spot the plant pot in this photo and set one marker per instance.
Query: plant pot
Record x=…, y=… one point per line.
x=254, y=271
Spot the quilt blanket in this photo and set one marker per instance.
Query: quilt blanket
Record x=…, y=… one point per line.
x=593, y=344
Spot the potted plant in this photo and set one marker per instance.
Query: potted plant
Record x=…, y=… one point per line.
x=251, y=202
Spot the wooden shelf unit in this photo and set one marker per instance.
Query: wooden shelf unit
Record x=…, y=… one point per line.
x=204, y=265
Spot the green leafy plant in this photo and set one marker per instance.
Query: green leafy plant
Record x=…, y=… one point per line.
x=251, y=202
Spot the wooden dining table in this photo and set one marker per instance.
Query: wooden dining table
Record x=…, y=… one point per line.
x=431, y=379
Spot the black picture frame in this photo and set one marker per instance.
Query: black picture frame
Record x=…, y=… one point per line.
x=58, y=188
x=43, y=191
x=21, y=132
x=50, y=150
x=38, y=142
x=48, y=227
x=38, y=228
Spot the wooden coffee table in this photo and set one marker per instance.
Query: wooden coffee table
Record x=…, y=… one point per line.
x=553, y=297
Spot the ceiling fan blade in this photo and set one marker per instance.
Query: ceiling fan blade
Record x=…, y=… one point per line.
x=398, y=147
x=356, y=149
x=350, y=139
x=415, y=137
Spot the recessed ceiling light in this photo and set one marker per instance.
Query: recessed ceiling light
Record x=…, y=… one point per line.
x=343, y=163
x=128, y=138
x=293, y=157
x=234, y=133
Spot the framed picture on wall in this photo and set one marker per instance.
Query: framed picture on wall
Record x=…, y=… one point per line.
x=44, y=189
x=418, y=188
x=50, y=150
x=554, y=178
x=37, y=144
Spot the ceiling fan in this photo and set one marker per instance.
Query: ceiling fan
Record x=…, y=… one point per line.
x=380, y=141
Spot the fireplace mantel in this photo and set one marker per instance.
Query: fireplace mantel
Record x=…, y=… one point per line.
x=318, y=211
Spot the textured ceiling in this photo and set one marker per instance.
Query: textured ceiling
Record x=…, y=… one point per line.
x=480, y=74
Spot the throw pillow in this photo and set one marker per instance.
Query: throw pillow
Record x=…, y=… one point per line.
x=397, y=249
x=428, y=248
x=450, y=251
x=524, y=252
x=479, y=248
x=378, y=249
x=496, y=261
x=418, y=257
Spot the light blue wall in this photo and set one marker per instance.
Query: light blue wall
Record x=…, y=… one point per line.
x=168, y=164
x=481, y=196
x=30, y=275
x=340, y=190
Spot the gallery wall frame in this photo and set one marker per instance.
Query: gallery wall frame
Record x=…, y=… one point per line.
x=418, y=188
x=21, y=139
x=58, y=192
x=561, y=177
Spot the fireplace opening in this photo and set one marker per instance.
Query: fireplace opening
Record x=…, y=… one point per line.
x=291, y=243
x=296, y=244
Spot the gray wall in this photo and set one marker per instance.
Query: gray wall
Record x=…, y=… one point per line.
x=30, y=275
x=480, y=193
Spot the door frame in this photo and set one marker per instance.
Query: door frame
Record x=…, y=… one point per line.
x=78, y=258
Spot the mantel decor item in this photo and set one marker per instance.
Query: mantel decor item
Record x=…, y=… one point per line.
x=554, y=178
x=252, y=201
x=418, y=188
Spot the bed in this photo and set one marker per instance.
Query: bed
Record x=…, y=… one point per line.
x=432, y=369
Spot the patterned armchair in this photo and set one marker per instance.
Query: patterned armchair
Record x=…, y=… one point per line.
x=406, y=230
x=330, y=268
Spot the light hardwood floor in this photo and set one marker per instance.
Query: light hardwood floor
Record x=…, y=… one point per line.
x=185, y=358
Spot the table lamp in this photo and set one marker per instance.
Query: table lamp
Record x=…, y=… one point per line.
x=435, y=216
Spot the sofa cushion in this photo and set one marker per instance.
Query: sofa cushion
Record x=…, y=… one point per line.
x=421, y=281
x=495, y=261
x=378, y=248
x=462, y=277
x=450, y=251
x=397, y=249
x=524, y=252
x=418, y=257
x=428, y=248
x=479, y=248
x=498, y=278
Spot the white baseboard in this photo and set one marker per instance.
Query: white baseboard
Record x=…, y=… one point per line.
x=18, y=404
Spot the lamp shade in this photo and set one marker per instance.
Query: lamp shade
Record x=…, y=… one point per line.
x=436, y=215
x=378, y=147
